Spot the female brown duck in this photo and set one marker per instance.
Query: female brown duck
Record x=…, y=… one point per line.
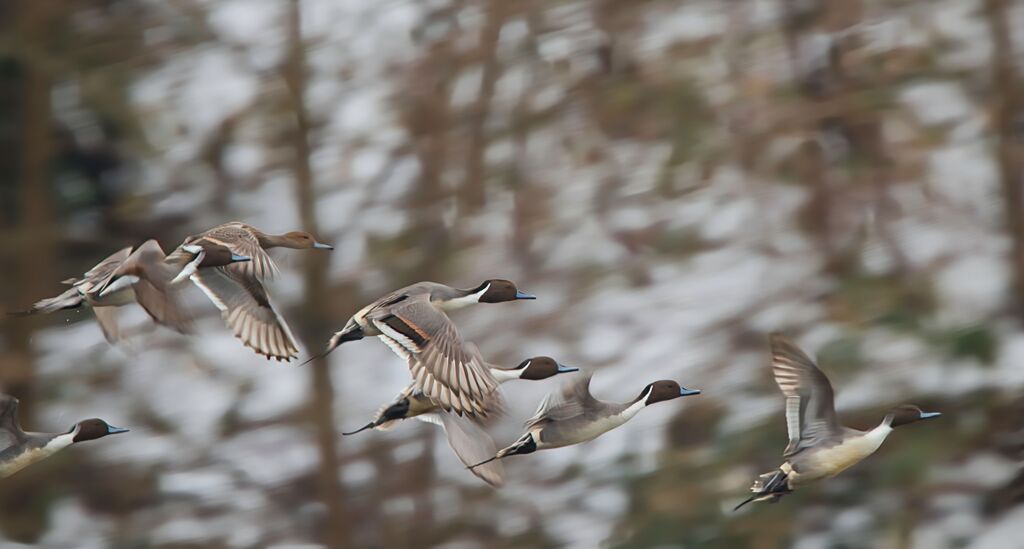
x=238, y=290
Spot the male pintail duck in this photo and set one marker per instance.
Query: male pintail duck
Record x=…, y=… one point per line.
x=469, y=442
x=412, y=403
x=238, y=292
x=575, y=416
x=819, y=446
x=19, y=449
x=413, y=323
x=145, y=276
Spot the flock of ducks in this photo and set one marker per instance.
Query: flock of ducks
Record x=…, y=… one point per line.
x=452, y=385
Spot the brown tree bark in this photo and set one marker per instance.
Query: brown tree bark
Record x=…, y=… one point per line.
x=36, y=230
x=1008, y=120
x=336, y=530
x=473, y=193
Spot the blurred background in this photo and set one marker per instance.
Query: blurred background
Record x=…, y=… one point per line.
x=673, y=179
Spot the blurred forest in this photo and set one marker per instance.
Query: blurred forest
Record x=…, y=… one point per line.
x=673, y=179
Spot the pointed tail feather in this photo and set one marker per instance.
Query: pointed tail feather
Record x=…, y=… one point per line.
x=70, y=299
x=744, y=502
x=769, y=486
x=488, y=460
x=351, y=332
x=369, y=425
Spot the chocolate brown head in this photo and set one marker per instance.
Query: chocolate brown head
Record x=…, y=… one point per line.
x=908, y=413
x=500, y=291
x=663, y=390
x=542, y=367
x=92, y=429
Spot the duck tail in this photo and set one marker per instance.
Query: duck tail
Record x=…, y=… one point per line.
x=70, y=299
x=369, y=425
x=525, y=445
x=769, y=486
x=351, y=332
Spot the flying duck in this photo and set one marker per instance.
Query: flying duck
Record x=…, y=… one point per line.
x=469, y=442
x=574, y=416
x=19, y=449
x=819, y=446
x=237, y=290
x=144, y=275
x=413, y=323
x=411, y=402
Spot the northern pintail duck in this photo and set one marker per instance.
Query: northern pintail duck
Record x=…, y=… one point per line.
x=238, y=291
x=819, y=446
x=411, y=402
x=145, y=276
x=574, y=416
x=413, y=323
x=19, y=449
x=470, y=443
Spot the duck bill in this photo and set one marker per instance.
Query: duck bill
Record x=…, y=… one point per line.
x=236, y=258
x=929, y=415
x=524, y=295
x=563, y=369
x=111, y=430
x=687, y=392
x=322, y=246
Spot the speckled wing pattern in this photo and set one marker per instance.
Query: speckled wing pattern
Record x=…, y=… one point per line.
x=450, y=373
x=97, y=277
x=241, y=239
x=810, y=410
x=247, y=311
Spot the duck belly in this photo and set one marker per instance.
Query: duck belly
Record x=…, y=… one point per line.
x=18, y=462
x=829, y=462
x=557, y=435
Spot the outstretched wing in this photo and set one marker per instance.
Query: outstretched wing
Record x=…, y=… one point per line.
x=572, y=400
x=471, y=444
x=449, y=372
x=810, y=409
x=97, y=277
x=153, y=290
x=247, y=310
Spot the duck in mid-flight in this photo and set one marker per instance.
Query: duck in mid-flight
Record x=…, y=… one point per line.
x=413, y=323
x=237, y=290
x=819, y=446
x=574, y=416
x=143, y=275
x=469, y=442
x=19, y=449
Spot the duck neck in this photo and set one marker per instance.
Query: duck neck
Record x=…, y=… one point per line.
x=60, y=442
x=464, y=298
x=268, y=241
x=633, y=409
x=502, y=375
x=878, y=435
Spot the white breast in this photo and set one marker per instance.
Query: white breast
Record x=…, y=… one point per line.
x=832, y=461
x=28, y=457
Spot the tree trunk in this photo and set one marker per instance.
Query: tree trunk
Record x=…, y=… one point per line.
x=336, y=530
x=1007, y=119
x=36, y=240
